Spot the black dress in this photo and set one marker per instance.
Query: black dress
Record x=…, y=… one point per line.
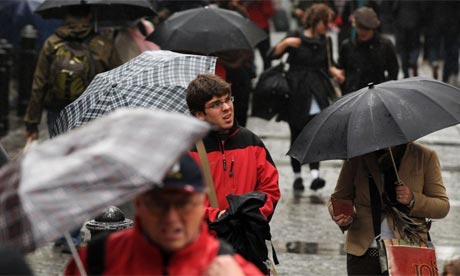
x=307, y=77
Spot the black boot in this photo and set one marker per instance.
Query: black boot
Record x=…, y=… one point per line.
x=317, y=184
x=298, y=184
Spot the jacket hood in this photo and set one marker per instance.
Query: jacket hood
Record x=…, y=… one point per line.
x=75, y=28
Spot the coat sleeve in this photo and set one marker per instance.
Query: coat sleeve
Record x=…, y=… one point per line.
x=433, y=201
x=267, y=181
x=210, y=213
x=270, y=53
x=344, y=188
x=391, y=65
x=39, y=86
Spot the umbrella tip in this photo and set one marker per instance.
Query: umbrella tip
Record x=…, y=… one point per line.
x=370, y=85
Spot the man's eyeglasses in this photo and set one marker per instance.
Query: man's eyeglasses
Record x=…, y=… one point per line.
x=219, y=104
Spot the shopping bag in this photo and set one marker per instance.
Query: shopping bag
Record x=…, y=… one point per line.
x=402, y=258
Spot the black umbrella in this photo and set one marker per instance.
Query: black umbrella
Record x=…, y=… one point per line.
x=104, y=9
x=207, y=31
x=245, y=228
x=377, y=117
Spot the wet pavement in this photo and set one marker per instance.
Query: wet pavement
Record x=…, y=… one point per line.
x=306, y=240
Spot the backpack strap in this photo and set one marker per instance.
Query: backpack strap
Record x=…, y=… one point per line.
x=95, y=259
x=89, y=54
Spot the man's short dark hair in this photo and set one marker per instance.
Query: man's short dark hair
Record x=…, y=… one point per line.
x=203, y=88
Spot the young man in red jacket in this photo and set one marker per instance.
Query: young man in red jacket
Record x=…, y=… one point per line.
x=169, y=236
x=238, y=159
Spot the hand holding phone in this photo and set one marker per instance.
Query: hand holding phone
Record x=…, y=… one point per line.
x=342, y=206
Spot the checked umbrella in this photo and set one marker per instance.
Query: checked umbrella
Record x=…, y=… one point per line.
x=154, y=79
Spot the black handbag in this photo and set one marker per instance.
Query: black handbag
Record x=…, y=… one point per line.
x=271, y=94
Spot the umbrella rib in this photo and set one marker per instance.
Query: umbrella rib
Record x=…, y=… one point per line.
x=387, y=107
x=358, y=94
x=345, y=101
x=431, y=99
x=423, y=95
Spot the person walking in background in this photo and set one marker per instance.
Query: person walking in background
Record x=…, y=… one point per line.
x=237, y=66
x=367, y=57
x=308, y=79
x=169, y=236
x=408, y=21
x=346, y=28
x=442, y=28
x=420, y=194
x=260, y=12
x=68, y=61
x=300, y=6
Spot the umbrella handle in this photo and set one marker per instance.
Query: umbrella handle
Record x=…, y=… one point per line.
x=394, y=165
x=75, y=255
x=207, y=174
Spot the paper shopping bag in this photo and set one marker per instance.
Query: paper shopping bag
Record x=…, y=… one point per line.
x=410, y=259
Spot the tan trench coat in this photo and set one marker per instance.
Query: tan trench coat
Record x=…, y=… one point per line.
x=420, y=170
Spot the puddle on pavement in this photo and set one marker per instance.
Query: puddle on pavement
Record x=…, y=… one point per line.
x=298, y=197
x=314, y=248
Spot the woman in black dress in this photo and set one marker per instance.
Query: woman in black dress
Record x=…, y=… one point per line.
x=308, y=78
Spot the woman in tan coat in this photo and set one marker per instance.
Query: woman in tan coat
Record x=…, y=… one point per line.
x=420, y=194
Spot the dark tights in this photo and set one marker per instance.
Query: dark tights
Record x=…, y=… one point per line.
x=296, y=166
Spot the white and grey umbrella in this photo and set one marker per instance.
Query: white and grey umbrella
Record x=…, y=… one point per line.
x=61, y=183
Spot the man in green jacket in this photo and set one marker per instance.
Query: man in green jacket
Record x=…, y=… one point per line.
x=68, y=61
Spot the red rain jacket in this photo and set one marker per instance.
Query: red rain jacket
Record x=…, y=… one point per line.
x=129, y=253
x=240, y=164
x=260, y=12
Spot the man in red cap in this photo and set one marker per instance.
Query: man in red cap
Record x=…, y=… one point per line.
x=169, y=235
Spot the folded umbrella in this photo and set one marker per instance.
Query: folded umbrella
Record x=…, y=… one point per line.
x=245, y=228
x=61, y=183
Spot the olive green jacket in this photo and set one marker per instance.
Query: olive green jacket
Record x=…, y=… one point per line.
x=103, y=54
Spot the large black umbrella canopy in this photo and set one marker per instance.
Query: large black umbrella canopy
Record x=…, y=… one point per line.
x=206, y=31
x=377, y=117
x=104, y=9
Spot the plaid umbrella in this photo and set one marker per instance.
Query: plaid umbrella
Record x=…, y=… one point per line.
x=154, y=79
x=62, y=182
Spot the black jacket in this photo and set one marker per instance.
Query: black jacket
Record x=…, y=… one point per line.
x=370, y=61
x=307, y=77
